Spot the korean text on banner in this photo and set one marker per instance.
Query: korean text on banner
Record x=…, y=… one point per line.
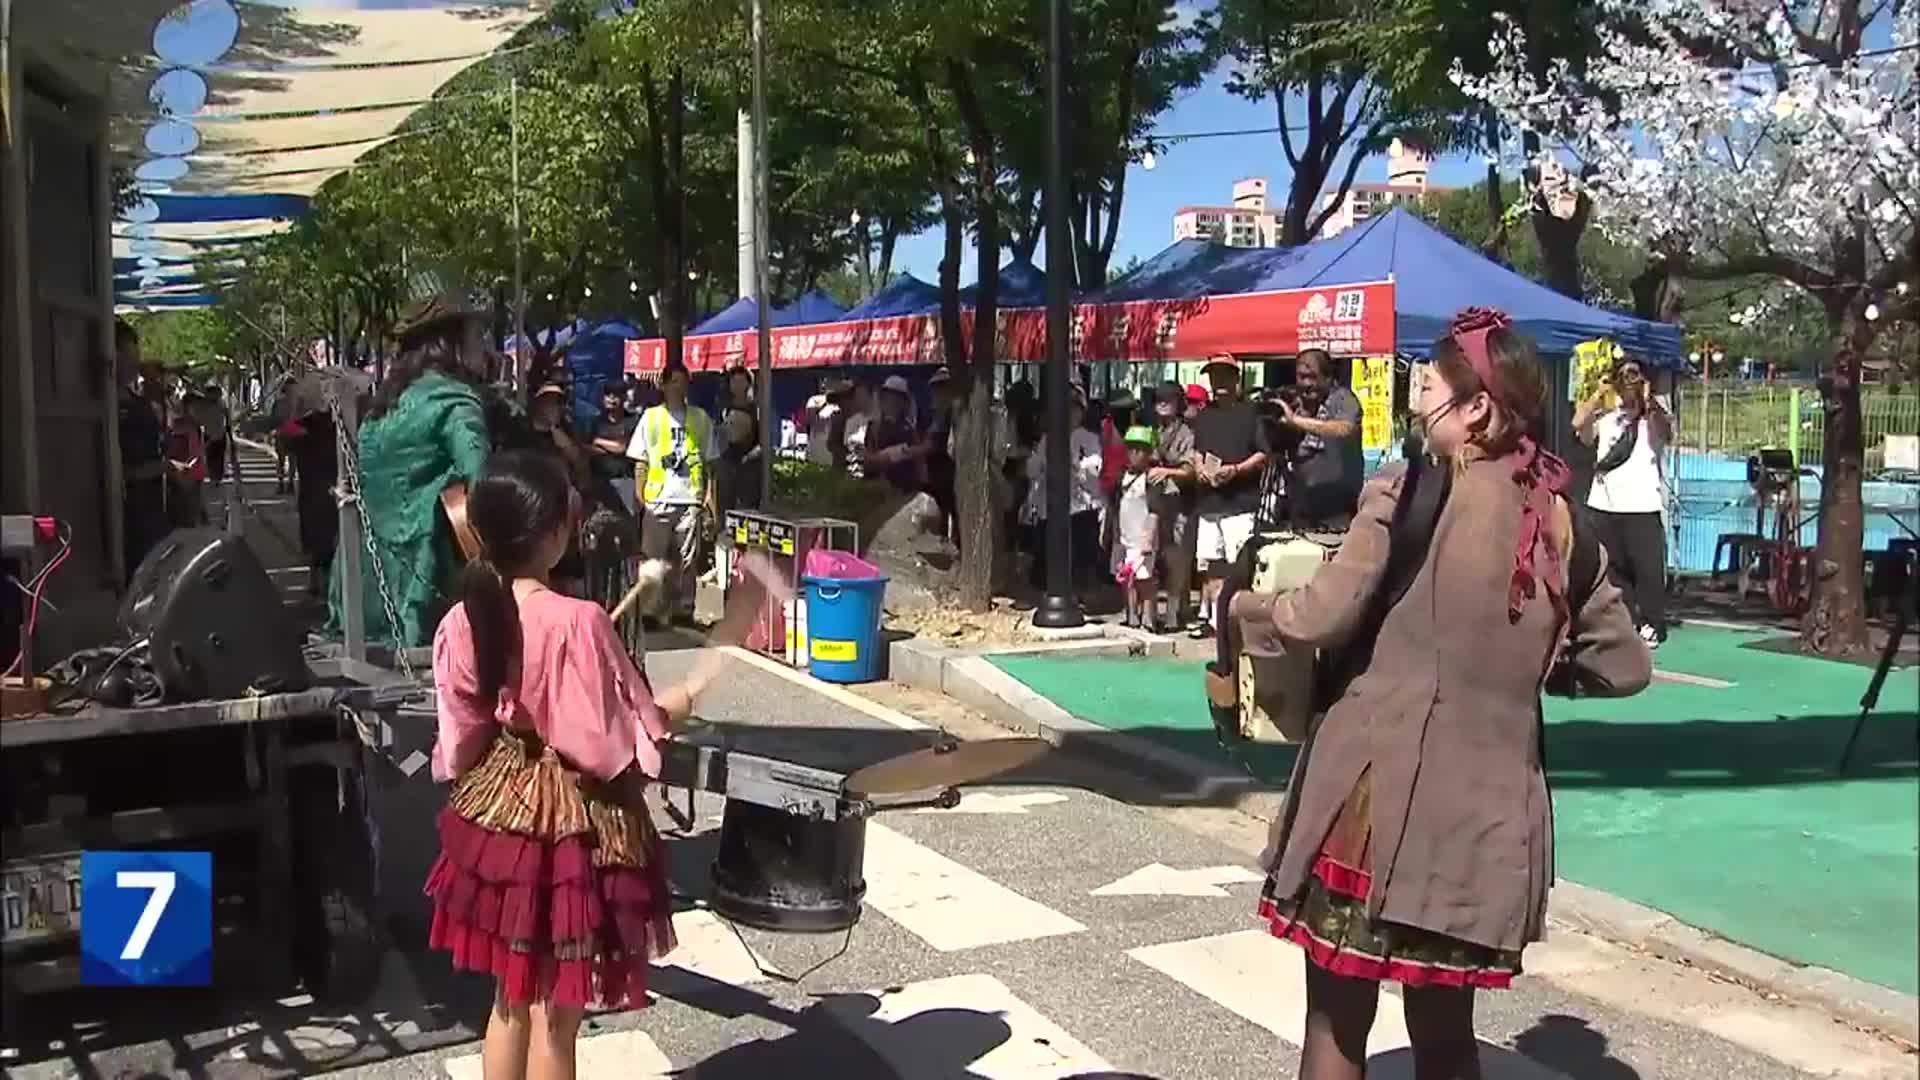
x=1373, y=385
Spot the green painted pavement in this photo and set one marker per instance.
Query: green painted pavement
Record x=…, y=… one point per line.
x=1718, y=806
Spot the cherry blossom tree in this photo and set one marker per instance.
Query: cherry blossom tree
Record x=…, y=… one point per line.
x=1742, y=138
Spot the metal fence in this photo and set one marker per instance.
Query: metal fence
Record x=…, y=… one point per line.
x=1719, y=424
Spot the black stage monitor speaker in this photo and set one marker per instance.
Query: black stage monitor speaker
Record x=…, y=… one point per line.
x=214, y=624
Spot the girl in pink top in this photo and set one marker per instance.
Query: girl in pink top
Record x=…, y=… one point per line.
x=551, y=877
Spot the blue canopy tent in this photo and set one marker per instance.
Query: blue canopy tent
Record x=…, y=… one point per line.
x=1021, y=285
x=904, y=295
x=595, y=357
x=813, y=306
x=1433, y=277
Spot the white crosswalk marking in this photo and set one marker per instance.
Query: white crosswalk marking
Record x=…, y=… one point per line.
x=1259, y=977
x=966, y=1025
x=614, y=1055
x=1262, y=979
x=709, y=948
x=947, y=905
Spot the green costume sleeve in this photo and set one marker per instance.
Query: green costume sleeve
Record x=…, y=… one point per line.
x=464, y=429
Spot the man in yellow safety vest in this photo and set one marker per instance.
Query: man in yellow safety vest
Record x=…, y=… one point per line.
x=674, y=448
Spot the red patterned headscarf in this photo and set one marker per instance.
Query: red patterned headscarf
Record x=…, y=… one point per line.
x=1540, y=475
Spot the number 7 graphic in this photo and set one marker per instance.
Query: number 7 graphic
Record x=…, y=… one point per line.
x=162, y=883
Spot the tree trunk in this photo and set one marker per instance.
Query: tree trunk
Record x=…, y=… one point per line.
x=973, y=414
x=663, y=166
x=1658, y=292
x=1836, y=620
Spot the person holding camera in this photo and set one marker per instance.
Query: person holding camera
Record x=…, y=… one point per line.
x=1230, y=453
x=1629, y=428
x=675, y=450
x=1328, y=468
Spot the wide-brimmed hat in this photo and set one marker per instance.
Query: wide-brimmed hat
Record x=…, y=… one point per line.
x=435, y=299
x=897, y=384
x=940, y=375
x=1221, y=367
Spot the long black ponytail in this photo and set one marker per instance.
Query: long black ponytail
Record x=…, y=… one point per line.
x=518, y=501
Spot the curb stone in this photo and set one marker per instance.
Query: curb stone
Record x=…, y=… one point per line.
x=970, y=678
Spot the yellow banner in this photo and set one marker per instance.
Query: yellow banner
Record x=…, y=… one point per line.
x=1592, y=363
x=1373, y=385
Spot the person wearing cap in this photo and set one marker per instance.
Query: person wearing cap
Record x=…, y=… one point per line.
x=1174, y=473
x=1230, y=448
x=424, y=434
x=892, y=450
x=1197, y=399
x=674, y=448
x=1136, y=530
x=1084, y=497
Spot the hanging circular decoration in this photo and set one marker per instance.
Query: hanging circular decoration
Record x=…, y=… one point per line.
x=172, y=138
x=196, y=32
x=148, y=262
x=178, y=92
x=161, y=168
x=139, y=232
x=150, y=281
x=142, y=213
x=153, y=187
x=146, y=247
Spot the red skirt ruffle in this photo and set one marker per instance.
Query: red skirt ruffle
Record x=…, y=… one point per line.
x=543, y=919
x=1327, y=917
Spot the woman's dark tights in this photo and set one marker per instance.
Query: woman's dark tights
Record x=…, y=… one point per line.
x=1340, y=1012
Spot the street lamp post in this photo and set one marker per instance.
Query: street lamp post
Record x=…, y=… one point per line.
x=1060, y=607
x=764, y=337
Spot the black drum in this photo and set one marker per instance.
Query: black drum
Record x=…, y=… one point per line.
x=783, y=871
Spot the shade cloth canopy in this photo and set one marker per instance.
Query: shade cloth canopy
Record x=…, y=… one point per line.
x=229, y=115
x=1433, y=275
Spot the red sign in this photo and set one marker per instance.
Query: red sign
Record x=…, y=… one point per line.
x=1350, y=320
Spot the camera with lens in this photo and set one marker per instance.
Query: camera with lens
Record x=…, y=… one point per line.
x=1771, y=469
x=1281, y=436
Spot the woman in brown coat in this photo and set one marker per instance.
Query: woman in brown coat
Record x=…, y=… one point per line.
x=1417, y=841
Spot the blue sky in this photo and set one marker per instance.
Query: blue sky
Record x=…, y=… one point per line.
x=1195, y=172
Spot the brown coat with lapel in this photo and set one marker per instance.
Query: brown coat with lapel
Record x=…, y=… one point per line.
x=1443, y=718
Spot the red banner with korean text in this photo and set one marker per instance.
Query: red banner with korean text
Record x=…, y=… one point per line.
x=1348, y=320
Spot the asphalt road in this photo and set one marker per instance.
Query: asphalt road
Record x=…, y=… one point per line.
x=1063, y=922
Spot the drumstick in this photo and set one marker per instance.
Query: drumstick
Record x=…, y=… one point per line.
x=651, y=575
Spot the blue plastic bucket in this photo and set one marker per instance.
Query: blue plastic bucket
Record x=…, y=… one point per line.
x=843, y=627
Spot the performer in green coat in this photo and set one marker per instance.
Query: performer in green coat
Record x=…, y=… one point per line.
x=425, y=431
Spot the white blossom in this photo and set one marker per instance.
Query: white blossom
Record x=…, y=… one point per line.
x=1770, y=151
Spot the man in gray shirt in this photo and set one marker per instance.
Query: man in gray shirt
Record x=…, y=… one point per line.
x=1328, y=467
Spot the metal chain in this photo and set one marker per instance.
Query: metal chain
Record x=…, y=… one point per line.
x=348, y=492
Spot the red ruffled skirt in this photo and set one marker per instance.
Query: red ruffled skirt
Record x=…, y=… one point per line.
x=1328, y=918
x=552, y=882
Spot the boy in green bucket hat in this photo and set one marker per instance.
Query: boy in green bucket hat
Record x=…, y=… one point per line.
x=1136, y=530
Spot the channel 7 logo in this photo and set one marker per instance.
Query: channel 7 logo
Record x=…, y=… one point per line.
x=148, y=918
